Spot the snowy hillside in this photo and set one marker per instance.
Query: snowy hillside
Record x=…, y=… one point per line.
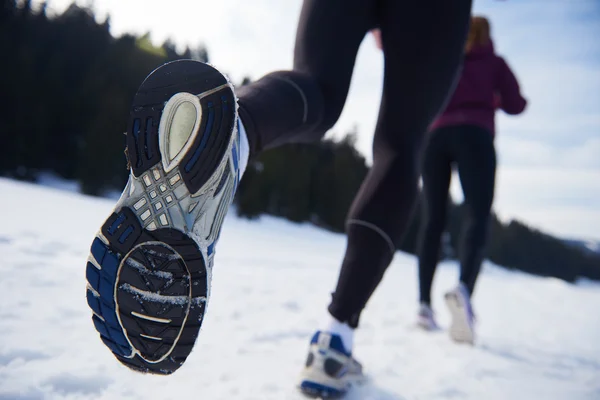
x=539, y=338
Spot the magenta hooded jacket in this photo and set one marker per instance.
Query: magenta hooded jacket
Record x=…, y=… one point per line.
x=486, y=84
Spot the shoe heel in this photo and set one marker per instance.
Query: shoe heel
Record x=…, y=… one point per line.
x=148, y=293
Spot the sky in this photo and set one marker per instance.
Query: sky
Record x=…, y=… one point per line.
x=548, y=158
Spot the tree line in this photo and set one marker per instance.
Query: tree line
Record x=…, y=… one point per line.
x=68, y=83
x=317, y=182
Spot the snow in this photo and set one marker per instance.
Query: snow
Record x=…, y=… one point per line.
x=52, y=180
x=538, y=337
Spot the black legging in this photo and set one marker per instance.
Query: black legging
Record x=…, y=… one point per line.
x=423, y=45
x=471, y=149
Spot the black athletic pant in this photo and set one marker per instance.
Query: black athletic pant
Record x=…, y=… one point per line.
x=471, y=149
x=423, y=43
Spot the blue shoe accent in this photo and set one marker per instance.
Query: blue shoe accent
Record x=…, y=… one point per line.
x=106, y=291
x=125, y=234
x=110, y=265
x=108, y=312
x=136, y=128
x=205, y=136
x=93, y=302
x=225, y=103
x=100, y=326
x=335, y=343
x=115, y=225
x=236, y=161
x=115, y=348
x=211, y=248
x=315, y=338
x=103, y=283
x=93, y=276
x=117, y=337
x=98, y=250
x=236, y=156
x=317, y=389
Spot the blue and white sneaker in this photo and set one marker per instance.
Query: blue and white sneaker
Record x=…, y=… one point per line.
x=330, y=370
x=150, y=267
x=462, y=328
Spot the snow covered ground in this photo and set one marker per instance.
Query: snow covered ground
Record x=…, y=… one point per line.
x=538, y=338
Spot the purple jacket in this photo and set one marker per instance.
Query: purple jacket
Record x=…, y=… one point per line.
x=486, y=83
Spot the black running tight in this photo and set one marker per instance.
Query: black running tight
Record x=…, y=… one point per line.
x=471, y=150
x=423, y=45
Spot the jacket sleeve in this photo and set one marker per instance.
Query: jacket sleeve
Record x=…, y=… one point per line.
x=507, y=88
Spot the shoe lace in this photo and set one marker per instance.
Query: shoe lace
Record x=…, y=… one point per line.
x=127, y=158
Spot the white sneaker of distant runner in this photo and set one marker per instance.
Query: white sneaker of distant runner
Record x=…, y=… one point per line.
x=462, y=328
x=426, y=318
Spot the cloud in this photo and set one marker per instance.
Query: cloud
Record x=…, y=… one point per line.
x=562, y=201
x=516, y=152
x=553, y=48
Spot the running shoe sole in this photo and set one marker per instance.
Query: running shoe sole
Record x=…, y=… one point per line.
x=149, y=270
x=314, y=390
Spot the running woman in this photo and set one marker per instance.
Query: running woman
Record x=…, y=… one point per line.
x=463, y=137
